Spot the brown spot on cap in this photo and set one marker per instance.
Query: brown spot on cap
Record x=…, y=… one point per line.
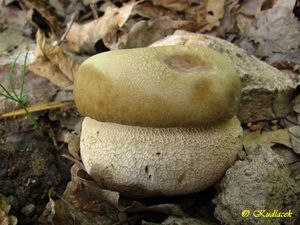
x=186, y=63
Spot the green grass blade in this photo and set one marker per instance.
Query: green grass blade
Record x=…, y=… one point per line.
x=11, y=76
x=23, y=75
x=7, y=94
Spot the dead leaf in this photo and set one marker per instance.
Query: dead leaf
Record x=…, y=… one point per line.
x=46, y=20
x=290, y=61
x=83, y=193
x=252, y=139
x=215, y=11
x=73, y=141
x=10, y=39
x=294, y=132
x=53, y=63
x=176, y=5
x=144, y=33
x=82, y=38
x=148, y=10
x=275, y=29
x=11, y=16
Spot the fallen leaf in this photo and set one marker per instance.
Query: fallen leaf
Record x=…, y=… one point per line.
x=215, y=11
x=148, y=10
x=53, y=62
x=82, y=38
x=42, y=16
x=144, y=33
x=275, y=29
x=10, y=39
x=252, y=139
x=176, y=5
x=294, y=132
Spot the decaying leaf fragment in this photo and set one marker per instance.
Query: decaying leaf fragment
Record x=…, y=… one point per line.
x=176, y=5
x=275, y=28
x=42, y=17
x=144, y=33
x=82, y=38
x=87, y=203
x=53, y=62
x=252, y=139
x=215, y=11
x=148, y=10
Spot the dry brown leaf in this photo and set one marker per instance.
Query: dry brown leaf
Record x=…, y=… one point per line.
x=53, y=63
x=145, y=33
x=148, y=10
x=275, y=29
x=85, y=194
x=41, y=7
x=215, y=11
x=82, y=38
x=177, y=5
x=252, y=139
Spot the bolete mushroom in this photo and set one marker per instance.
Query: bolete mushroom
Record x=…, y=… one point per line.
x=164, y=86
x=162, y=119
x=145, y=161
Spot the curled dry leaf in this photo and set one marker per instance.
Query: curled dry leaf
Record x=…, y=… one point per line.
x=82, y=38
x=45, y=18
x=145, y=33
x=148, y=10
x=176, y=5
x=53, y=63
x=215, y=11
x=276, y=29
x=85, y=194
x=252, y=139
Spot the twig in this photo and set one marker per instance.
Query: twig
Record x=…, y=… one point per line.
x=70, y=24
x=94, y=9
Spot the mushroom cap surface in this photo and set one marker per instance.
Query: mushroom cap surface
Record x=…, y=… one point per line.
x=144, y=161
x=168, y=86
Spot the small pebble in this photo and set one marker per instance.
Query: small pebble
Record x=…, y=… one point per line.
x=242, y=155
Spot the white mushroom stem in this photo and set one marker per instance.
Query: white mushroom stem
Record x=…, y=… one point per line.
x=144, y=161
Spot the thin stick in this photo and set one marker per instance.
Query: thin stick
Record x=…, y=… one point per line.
x=63, y=37
x=94, y=9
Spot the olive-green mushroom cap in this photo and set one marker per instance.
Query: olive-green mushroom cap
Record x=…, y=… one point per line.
x=167, y=86
x=145, y=161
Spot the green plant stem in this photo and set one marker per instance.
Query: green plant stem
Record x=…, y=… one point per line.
x=29, y=114
x=21, y=99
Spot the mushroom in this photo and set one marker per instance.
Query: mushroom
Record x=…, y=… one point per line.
x=145, y=161
x=164, y=86
x=160, y=121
